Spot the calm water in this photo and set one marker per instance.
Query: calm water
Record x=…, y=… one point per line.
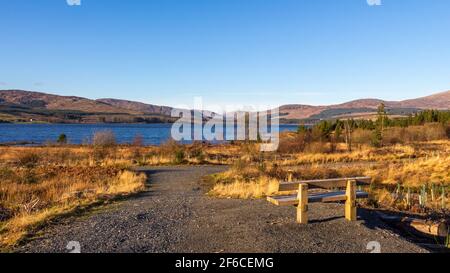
x=153, y=134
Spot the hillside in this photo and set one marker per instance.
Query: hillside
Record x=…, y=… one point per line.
x=365, y=107
x=137, y=106
x=25, y=106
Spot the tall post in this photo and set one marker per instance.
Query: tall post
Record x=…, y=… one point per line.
x=350, y=204
x=290, y=175
x=302, y=209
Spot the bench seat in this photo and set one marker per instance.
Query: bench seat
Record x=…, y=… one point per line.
x=292, y=200
x=324, y=183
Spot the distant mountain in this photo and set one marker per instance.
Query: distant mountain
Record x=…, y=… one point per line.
x=364, y=108
x=138, y=106
x=25, y=106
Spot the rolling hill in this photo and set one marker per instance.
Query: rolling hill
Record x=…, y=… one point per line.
x=25, y=106
x=365, y=107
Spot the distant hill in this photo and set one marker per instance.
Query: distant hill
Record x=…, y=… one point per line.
x=364, y=108
x=138, y=106
x=25, y=106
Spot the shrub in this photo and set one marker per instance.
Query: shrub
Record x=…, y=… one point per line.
x=104, y=139
x=28, y=159
x=196, y=152
x=179, y=156
x=377, y=138
x=104, y=143
x=294, y=144
x=62, y=139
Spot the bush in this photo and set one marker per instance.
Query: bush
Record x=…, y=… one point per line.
x=179, y=157
x=295, y=144
x=174, y=151
x=62, y=139
x=28, y=159
x=104, y=139
x=377, y=138
x=196, y=151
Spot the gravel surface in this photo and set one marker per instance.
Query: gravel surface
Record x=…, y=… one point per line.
x=175, y=215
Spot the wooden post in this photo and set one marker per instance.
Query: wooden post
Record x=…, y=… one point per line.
x=290, y=175
x=302, y=209
x=350, y=204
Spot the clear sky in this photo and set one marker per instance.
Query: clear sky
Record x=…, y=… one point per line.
x=227, y=51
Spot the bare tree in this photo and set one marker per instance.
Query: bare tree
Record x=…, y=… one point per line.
x=348, y=134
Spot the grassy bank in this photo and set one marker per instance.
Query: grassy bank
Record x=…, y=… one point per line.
x=38, y=184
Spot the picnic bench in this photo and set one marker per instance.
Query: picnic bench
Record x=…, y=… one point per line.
x=303, y=198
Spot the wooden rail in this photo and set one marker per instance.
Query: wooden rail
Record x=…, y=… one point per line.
x=323, y=183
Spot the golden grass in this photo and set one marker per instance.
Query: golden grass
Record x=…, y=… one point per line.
x=412, y=165
x=262, y=186
x=35, y=204
x=37, y=184
x=413, y=173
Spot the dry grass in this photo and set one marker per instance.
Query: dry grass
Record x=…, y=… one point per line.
x=414, y=173
x=37, y=184
x=412, y=166
x=262, y=186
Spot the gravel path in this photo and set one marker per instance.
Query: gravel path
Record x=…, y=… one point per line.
x=174, y=215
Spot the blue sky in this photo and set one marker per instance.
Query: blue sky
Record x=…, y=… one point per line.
x=227, y=51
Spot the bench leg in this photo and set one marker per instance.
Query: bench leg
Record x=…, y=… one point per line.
x=302, y=209
x=350, y=204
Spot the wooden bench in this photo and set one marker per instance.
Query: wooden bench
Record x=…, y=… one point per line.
x=302, y=199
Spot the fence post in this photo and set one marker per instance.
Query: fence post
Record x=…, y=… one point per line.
x=302, y=209
x=290, y=175
x=350, y=204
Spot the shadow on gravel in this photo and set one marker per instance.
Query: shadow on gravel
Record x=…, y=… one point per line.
x=325, y=220
x=157, y=171
x=371, y=220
